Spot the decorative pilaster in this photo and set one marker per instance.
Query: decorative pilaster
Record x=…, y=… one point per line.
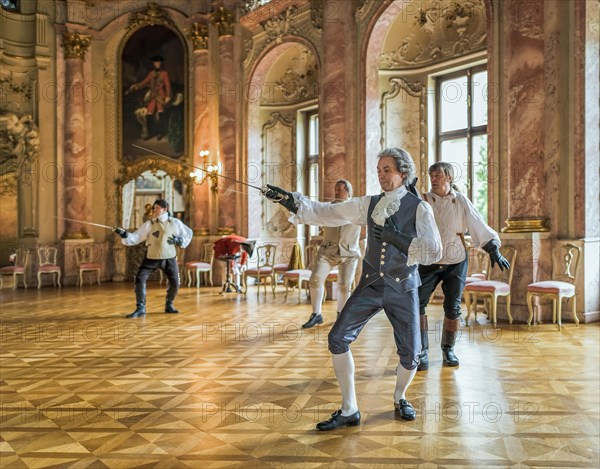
x=199, y=35
x=230, y=93
x=334, y=120
x=75, y=45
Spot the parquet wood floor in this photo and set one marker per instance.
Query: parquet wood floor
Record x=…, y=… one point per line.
x=236, y=383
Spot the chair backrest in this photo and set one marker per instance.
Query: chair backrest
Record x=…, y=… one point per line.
x=84, y=254
x=505, y=275
x=265, y=255
x=565, y=263
x=208, y=253
x=479, y=262
x=21, y=257
x=47, y=255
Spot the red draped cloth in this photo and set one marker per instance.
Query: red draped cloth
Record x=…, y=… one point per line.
x=230, y=246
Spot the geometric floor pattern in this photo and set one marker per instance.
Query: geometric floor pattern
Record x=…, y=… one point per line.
x=234, y=382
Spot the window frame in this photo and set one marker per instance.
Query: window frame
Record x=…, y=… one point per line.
x=468, y=133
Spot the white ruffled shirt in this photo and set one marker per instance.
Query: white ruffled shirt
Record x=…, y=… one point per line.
x=425, y=249
x=455, y=214
x=142, y=233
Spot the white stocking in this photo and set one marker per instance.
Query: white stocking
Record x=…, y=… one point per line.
x=342, y=297
x=343, y=365
x=316, y=298
x=403, y=379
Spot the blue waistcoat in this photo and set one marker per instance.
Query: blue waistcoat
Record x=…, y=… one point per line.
x=384, y=262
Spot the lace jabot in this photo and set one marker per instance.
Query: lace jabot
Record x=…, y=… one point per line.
x=388, y=204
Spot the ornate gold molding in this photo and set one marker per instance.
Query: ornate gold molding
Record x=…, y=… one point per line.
x=76, y=235
x=281, y=25
x=75, y=45
x=198, y=33
x=441, y=29
x=317, y=13
x=525, y=225
x=25, y=90
x=224, y=20
x=154, y=164
x=152, y=16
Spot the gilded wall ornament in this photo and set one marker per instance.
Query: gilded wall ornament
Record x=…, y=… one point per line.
x=224, y=20
x=152, y=16
x=19, y=141
x=24, y=89
x=281, y=25
x=317, y=12
x=75, y=45
x=198, y=33
x=440, y=30
x=299, y=82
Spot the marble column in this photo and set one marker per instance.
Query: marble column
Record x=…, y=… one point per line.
x=203, y=140
x=75, y=152
x=229, y=95
x=333, y=114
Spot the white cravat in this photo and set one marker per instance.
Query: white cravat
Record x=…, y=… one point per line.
x=388, y=205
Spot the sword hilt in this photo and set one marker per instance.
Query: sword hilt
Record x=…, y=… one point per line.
x=276, y=198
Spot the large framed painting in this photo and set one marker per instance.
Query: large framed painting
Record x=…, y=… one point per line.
x=153, y=70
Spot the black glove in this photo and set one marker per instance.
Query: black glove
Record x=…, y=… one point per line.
x=176, y=240
x=121, y=232
x=495, y=257
x=412, y=187
x=281, y=196
x=389, y=233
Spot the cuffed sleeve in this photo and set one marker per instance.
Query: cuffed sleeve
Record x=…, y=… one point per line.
x=184, y=231
x=137, y=236
x=324, y=214
x=426, y=248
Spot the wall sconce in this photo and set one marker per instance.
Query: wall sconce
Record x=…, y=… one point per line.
x=208, y=171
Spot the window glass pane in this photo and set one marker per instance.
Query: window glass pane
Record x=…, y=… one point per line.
x=480, y=175
x=313, y=190
x=455, y=152
x=453, y=104
x=313, y=135
x=479, y=92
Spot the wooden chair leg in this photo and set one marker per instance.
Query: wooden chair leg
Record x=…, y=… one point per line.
x=559, y=311
x=58, y=274
x=197, y=278
x=530, y=308
x=494, y=306
x=510, y=318
x=468, y=304
x=39, y=277
x=575, y=318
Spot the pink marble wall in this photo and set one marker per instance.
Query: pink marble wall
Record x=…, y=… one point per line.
x=75, y=196
x=202, y=137
x=333, y=94
x=522, y=182
x=229, y=95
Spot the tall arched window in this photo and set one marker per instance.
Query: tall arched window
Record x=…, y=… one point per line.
x=461, y=130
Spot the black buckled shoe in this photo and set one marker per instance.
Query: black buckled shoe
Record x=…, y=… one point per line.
x=404, y=410
x=170, y=309
x=338, y=420
x=313, y=321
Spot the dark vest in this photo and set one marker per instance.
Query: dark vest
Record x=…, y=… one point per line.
x=387, y=263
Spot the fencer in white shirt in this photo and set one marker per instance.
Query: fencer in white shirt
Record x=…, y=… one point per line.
x=455, y=215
